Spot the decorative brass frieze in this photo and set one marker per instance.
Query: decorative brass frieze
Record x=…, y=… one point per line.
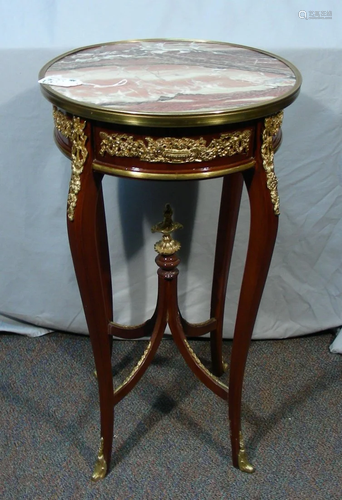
x=73, y=129
x=272, y=126
x=135, y=369
x=244, y=464
x=174, y=149
x=100, y=470
x=167, y=246
x=62, y=123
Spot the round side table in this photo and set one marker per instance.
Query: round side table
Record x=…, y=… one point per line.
x=171, y=110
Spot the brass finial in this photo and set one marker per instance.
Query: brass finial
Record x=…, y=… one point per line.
x=167, y=246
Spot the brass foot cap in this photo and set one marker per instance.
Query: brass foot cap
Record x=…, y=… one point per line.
x=97, y=475
x=244, y=464
x=100, y=470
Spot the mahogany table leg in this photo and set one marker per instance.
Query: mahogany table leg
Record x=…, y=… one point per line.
x=88, y=243
x=104, y=260
x=229, y=210
x=263, y=230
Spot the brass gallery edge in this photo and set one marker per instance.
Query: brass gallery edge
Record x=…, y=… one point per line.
x=73, y=129
x=174, y=149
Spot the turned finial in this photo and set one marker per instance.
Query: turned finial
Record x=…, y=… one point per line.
x=167, y=245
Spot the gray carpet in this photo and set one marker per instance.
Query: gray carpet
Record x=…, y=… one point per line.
x=171, y=433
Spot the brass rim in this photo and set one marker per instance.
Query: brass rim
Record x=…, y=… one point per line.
x=171, y=120
x=119, y=172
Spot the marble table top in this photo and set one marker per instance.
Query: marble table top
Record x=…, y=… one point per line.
x=170, y=77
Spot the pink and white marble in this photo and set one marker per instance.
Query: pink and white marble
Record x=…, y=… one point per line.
x=171, y=77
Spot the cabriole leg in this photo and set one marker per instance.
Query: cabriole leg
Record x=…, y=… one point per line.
x=88, y=244
x=229, y=210
x=264, y=204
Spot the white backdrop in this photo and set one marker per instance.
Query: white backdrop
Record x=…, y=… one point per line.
x=38, y=290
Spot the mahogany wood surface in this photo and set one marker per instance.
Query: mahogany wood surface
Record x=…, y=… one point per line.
x=88, y=244
x=229, y=211
x=89, y=247
x=216, y=112
x=263, y=231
